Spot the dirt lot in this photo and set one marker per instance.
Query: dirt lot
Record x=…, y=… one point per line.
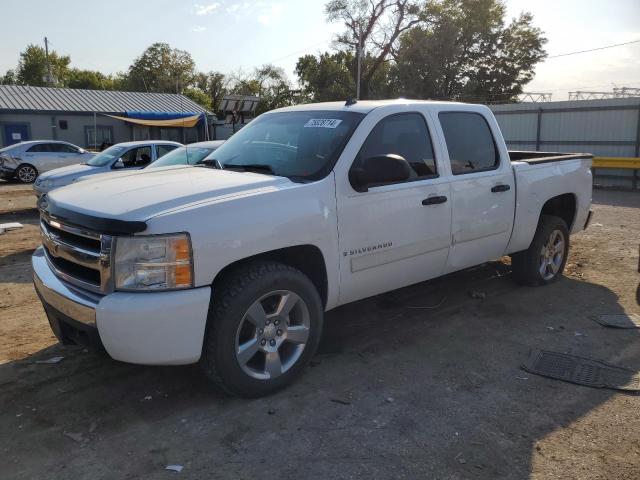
x=423, y=382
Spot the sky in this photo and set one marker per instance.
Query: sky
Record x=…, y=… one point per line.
x=231, y=36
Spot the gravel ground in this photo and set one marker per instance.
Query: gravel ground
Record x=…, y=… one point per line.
x=423, y=382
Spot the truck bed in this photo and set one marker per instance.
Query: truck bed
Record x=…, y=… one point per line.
x=534, y=157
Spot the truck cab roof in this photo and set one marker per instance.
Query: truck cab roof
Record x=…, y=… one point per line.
x=364, y=106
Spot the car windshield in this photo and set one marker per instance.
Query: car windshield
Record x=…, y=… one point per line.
x=107, y=156
x=183, y=156
x=301, y=145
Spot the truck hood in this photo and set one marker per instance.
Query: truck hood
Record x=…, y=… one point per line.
x=153, y=192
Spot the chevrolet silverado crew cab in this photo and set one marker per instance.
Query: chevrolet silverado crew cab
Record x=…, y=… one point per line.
x=233, y=263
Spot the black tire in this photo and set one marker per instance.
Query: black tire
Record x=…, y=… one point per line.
x=26, y=173
x=237, y=292
x=527, y=265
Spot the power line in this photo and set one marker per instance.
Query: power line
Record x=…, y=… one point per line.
x=593, y=49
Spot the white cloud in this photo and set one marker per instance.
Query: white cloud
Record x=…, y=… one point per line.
x=206, y=9
x=198, y=28
x=270, y=13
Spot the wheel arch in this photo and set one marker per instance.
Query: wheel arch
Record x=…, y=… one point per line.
x=563, y=206
x=306, y=258
x=26, y=164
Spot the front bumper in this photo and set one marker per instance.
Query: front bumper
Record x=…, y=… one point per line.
x=6, y=172
x=158, y=328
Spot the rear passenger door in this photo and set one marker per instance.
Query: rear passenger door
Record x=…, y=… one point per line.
x=43, y=156
x=482, y=190
x=395, y=234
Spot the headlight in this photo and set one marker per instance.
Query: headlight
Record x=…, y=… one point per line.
x=159, y=262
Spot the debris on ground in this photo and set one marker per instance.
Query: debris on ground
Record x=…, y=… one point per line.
x=429, y=307
x=5, y=227
x=50, y=360
x=148, y=397
x=271, y=411
x=174, y=468
x=340, y=401
x=389, y=399
x=477, y=295
x=76, y=437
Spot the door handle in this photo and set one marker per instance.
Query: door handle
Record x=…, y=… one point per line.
x=500, y=188
x=435, y=200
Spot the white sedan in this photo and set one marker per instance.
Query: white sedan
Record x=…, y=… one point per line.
x=26, y=160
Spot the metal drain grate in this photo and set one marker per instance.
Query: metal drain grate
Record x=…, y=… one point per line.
x=581, y=371
x=619, y=320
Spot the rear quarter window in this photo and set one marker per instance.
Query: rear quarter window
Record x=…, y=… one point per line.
x=470, y=143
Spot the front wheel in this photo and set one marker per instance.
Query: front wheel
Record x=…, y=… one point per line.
x=26, y=173
x=264, y=326
x=543, y=262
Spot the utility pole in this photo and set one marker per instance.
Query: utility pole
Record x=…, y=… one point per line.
x=46, y=56
x=359, y=58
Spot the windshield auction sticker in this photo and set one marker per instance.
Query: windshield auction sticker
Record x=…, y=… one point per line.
x=322, y=123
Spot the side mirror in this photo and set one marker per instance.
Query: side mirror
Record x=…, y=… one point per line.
x=81, y=151
x=118, y=164
x=379, y=170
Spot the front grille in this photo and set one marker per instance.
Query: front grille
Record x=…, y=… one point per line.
x=78, y=256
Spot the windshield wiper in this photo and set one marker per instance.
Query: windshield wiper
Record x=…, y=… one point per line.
x=210, y=163
x=251, y=167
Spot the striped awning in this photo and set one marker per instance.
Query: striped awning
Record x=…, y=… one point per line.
x=186, y=122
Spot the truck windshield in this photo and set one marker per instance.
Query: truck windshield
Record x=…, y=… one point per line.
x=302, y=145
x=183, y=156
x=107, y=156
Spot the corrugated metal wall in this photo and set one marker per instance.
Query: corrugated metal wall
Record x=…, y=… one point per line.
x=605, y=128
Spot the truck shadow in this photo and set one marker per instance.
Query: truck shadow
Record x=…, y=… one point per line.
x=422, y=381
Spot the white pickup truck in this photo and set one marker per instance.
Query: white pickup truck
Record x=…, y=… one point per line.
x=234, y=263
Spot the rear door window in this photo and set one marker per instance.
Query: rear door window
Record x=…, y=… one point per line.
x=164, y=149
x=43, y=148
x=469, y=141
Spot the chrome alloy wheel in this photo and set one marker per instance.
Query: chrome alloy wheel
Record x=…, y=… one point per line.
x=272, y=334
x=27, y=174
x=551, y=255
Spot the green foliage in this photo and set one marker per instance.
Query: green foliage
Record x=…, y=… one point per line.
x=90, y=80
x=268, y=82
x=198, y=96
x=9, y=78
x=32, y=67
x=451, y=49
x=467, y=53
x=161, y=68
x=214, y=84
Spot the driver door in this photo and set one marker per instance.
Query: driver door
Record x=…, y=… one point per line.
x=396, y=234
x=137, y=158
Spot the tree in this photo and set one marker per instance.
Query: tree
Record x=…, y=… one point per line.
x=327, y=77
x=8, y=78
x=268, y=82
x=32, y=67
x=331, y=77
x=214, y=84
x=467, y=53
x=377, y=25
x=89, y=80
x=199, y=96
x=161, y=68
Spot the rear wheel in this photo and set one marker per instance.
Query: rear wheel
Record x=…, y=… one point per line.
x=264, y=326
x=26, y=173
x=543, y=262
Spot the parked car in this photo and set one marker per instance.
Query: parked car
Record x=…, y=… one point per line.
x=192, y=154
x=25, y=161
x=310, y=207
x=122, y=156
